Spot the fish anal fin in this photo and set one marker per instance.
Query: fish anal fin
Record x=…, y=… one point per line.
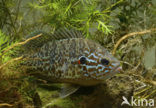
x=68, y=89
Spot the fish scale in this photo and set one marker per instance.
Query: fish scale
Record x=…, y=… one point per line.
x=59, y=59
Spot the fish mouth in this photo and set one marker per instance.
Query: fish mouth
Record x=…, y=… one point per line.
x=117, y=69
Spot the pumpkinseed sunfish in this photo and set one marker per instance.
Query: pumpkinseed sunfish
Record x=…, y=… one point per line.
x=67, y=57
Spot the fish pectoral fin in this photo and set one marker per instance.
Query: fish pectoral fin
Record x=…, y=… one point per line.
x=68, y=89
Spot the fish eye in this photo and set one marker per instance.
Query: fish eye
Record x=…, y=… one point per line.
x=82, y=60
x=104, y=61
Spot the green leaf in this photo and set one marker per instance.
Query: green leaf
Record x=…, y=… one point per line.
x=105, y=28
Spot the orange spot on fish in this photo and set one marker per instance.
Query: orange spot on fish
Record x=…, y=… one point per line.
x=79, y=62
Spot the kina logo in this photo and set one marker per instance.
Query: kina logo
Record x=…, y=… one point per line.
x=137, y=102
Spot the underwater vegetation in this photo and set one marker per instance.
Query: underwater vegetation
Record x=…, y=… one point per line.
x=69, y=53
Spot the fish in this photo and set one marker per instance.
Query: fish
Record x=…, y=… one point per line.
x=66, y=56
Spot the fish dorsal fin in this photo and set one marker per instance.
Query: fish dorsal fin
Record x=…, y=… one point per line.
x=65, y=33
x=59, y=34
x=38, y=42
x=68, y=89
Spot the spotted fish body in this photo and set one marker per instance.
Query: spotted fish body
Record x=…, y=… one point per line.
x=60, y=61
